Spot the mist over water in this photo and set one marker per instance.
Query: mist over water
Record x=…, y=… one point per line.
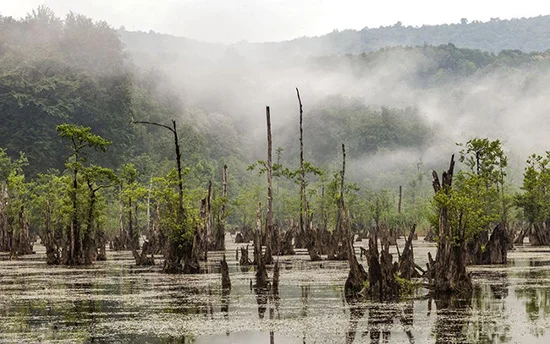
x=237, y=81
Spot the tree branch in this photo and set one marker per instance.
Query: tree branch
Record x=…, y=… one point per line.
x=153, y=123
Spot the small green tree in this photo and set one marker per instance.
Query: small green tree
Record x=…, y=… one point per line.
x=534, y=202
x=51, y=209
x=80, y=140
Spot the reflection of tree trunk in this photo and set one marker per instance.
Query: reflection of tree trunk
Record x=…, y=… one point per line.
x=356, y=312
x=452, y=315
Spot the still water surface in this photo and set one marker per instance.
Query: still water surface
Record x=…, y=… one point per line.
x=115, y=302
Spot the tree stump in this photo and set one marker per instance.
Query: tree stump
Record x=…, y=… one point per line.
x=226, y=282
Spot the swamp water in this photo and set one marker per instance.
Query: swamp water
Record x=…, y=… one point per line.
x=115, y=302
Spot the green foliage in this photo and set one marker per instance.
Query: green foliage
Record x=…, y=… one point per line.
x=476, y=199
x=535, y=199
x=406, y=287
x=8, y=165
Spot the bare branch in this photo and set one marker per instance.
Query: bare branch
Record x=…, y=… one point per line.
x=153, y=123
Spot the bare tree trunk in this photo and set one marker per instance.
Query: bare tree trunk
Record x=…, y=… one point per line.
x=400, y=198
x=269, y=210
x=220, y=233
x=357, y=275
x=4, y=237
x=226, y=282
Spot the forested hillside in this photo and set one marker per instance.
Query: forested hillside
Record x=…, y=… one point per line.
x=525, y=34
x=75, y=70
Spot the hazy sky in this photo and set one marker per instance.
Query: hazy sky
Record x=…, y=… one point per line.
x=274, y=20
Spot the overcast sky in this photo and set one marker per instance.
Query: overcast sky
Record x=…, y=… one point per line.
x=229, y=21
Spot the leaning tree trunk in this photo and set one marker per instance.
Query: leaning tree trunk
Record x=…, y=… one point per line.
x=450, y=270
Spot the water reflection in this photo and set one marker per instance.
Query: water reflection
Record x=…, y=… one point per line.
x=113, y=302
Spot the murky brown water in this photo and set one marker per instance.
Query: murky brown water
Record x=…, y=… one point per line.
x=114, y=302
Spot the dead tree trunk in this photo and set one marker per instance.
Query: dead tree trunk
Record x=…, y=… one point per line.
x=258, y=235
x=4, y=226
x=496, y=250
x=400, y=198
x=450, y=270
x=142, y=259
x=226, y=282
x=244, y=260
x=310, y=241
x=286, y=244
x=219, y=237
x=340, y=235
x=269, y=210
x=407, y=267
x=172, y=261
x=357, y=274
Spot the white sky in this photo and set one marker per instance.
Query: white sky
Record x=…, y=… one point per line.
x=229, y=21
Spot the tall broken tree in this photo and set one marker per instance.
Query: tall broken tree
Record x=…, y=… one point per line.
x=357, y=275
x=175, y=251
x=217, y=239
x=450, y=270
x=269, y=211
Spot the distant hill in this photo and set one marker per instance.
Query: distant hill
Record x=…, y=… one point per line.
x=525, y=34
